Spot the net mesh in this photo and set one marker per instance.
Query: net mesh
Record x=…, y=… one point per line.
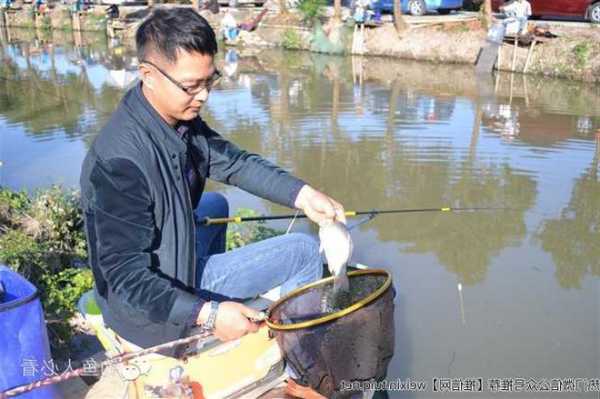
x=355, y=347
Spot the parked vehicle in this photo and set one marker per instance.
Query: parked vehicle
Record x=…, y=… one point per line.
x=588, y=9
x=236, y=3
x=124, y=2
x=421, y=7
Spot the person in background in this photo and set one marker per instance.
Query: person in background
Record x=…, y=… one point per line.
x=211, y=5
x=112, y=11
x=360, y=14
x=520, y=10
x=39, y=6
x=229, y=27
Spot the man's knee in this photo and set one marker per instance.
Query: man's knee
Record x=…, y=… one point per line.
x=309, y=247
x=215, y=204
x=306, y=243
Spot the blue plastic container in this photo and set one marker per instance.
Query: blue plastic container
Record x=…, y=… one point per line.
x=24, y=349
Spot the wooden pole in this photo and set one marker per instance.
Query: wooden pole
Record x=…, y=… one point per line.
x=361, y=75
x=399, y=22
x=353, y=68
x=4, y=37
x=283, y=9
x=525, y=90
x=337, y=10
x=499, y=59
x=76, y=21
x=354, y=33
x=512, y=81
x=362, y=39
x=514, y=60
x=487, y=13
x=529, y=53
x=497, y=84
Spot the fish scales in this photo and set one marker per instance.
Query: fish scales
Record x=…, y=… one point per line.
x=337, y=245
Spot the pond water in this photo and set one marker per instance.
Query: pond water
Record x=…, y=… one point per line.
x=491, y=295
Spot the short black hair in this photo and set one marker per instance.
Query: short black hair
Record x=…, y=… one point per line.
x=168, y=30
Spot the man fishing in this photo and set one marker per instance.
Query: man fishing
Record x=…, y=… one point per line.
x=158, y=272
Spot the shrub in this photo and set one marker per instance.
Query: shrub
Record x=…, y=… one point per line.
x=60, y=293
x=54, y=217
x=23, y=254
x=291, y=40
x=42, y=238
x=582, y=52
x=245, y=233
x=11, y=204
x=311, y=9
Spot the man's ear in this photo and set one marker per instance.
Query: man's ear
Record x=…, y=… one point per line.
x=146, y=76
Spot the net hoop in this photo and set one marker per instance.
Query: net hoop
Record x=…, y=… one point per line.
x=331, y=316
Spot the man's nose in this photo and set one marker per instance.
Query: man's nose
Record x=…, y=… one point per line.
x=202, y=95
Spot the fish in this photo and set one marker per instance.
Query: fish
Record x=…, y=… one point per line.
x=337, y=245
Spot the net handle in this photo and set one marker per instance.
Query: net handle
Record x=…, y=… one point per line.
x=331, y=316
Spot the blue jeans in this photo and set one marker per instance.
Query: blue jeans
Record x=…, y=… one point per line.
x=289, y=261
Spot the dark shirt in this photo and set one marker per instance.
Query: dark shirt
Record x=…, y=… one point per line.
x=194, y=181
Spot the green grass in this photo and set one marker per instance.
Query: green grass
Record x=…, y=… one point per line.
x=291, y=39
x=582, y=53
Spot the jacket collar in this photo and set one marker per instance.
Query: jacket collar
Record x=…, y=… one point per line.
x=141, y=110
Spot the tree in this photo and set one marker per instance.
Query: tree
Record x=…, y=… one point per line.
x=337, y=9
x=399, y=22
x=487, y=13
x=283, y=9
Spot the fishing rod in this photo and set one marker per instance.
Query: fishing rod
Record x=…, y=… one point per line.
x=121, y=358
x=239, y=219
x=16, y=391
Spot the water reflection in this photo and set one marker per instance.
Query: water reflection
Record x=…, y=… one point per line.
x=305, y=113
x=378, y=133
x=573, y=239
x=50, y=89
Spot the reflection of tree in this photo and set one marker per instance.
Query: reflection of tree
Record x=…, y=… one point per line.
x=574, y=238
x=370, y=171
x=46, y=101
x=465, y=242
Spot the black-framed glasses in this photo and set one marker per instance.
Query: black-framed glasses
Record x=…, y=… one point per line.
x=206, y=84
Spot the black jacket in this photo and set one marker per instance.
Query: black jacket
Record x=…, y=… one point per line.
x=139, y=218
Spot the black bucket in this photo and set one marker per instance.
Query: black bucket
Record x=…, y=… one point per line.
x=330, y=350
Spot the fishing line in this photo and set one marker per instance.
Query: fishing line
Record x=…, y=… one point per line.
x=292, y=222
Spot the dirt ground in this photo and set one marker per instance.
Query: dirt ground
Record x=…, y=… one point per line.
x=574, y=54
x=448, y=43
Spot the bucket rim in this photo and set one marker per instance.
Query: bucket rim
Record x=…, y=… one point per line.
x=331, y=316
x=20, y=301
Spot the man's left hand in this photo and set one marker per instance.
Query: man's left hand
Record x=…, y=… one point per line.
x=318, y=206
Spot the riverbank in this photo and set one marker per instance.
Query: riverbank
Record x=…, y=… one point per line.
x=574, y=54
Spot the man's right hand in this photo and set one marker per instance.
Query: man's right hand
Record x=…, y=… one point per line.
x=233, y=320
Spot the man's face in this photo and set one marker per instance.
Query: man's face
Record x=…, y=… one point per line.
x=193, y=72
